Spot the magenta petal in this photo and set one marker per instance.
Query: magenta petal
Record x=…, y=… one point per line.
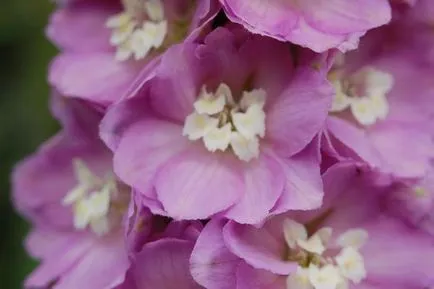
x=197, y=184
x=212, y=264
x=249, y=277
x=299, y=113
x=264, y=183
x=261, y=248
x=95, y=76
x=164, y=264
x=145, y=146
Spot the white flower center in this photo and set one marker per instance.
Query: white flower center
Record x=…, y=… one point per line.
x=139, y=29
x=364, y=93
x=320, y=268
x=97, y=203
x=222, y=124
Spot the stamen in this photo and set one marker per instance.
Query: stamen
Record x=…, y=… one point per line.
x=92, y=200
x=139, y=29
x=364, y=93
x=319, y=267
x=222, y=124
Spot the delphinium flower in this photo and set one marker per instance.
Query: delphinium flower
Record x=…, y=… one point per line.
x=316, y=24
x=105, y=45
x=351, y=242
x=68, y=191
x=380, y=111
x=225, y=127
x=78, y=209
x=257, y=147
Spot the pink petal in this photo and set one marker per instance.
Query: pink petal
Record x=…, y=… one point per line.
x=145, y=147
x=212, y=264
x=55, y=263
x=175, y=88
x=249, y=277
x=352, y=142
x=342, y=16
x=299, y=113
x=303, y=186
x=197, y=184
x=263, y=16
x=405, y=150
x=97, y=77
x=264, y=183
x=104, y=266
x=164, y=264
x=396, y=254
x=81, y=28
x=262, y=248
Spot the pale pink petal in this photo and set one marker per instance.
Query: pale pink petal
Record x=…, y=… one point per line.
x=261, y=247
x=406, y=150
x=249, y=277
x=103, y=266
x=145, y=147
x=352, y=142
x=81, y=27
x=59, y=252
x=398, y=255
x=175, y=77
x=303, y=186
x=212, y=264
x=299, y=113
x=342, y=16
x=197, y=184
x=263, y=16
x=164, y=264
x=96, y=77
x=264, y=183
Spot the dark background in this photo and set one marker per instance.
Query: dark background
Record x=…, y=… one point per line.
x=25, y=121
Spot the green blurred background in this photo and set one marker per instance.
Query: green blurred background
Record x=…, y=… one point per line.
x=25, y=121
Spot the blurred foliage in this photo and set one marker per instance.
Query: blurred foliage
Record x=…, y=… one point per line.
x=25, y=121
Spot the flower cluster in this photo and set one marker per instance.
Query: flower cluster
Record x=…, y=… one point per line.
x=236, y=144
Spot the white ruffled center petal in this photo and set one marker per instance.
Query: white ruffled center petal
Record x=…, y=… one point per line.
x=134, y=37
x=319, y=267
x=364, y=93
x=223, y=124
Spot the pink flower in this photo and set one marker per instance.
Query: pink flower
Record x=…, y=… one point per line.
x=106, y=45
x=68, y=191
x=380, y=111
x=349, y=243
x=225, y=127
x=86, y=231
x=316, y=24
